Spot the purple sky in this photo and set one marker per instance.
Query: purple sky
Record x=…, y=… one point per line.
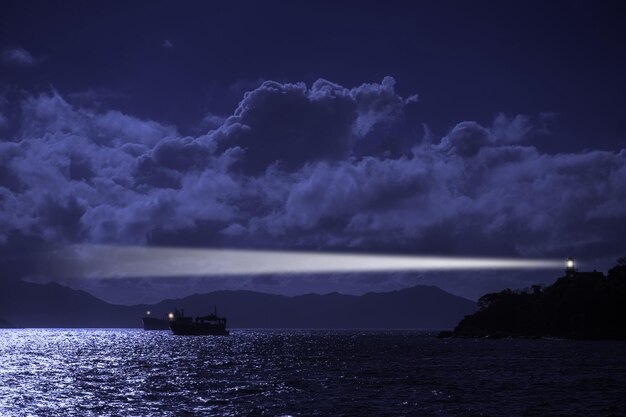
x=397, y=130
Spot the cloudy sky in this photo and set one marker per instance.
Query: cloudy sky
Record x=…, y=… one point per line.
x=446, y=128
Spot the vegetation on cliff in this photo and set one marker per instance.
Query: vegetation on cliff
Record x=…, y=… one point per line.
x=583, y=305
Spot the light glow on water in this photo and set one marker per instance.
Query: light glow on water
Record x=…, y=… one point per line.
x=131, y=372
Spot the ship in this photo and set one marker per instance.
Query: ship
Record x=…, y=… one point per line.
x=152, y=323
x=212, y=325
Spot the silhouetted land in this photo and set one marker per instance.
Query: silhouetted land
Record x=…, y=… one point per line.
x=585, y=305
x=52, y=305
x=421, y=307
x=5, y=324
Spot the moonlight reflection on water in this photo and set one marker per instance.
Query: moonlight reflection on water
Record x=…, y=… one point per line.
x=298, y=372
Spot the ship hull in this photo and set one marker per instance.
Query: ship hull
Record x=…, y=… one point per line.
x=198, y=329
x=150, y=323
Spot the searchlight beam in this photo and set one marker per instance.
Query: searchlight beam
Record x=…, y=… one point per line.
x=104, y=261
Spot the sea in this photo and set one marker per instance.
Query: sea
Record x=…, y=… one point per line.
x=132, y=372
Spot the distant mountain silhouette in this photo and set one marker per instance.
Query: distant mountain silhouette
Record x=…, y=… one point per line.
x=423, y=307
x=5, y=324
x=580, y=305
x=52, y=305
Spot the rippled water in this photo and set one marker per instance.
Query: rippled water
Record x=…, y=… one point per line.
x=328, y=373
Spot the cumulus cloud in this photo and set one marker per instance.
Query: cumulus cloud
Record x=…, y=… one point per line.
x=377, y=103
x=19, y=57
x=291, y=124
x=212, y=121
x=465, y=139
x=511, y=129
x=287, y=170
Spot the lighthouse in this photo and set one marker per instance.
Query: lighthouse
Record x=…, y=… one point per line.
x=570, y=267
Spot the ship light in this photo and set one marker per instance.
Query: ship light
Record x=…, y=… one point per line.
x=170, y=316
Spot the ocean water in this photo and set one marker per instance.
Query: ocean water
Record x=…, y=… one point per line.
x=94, y=372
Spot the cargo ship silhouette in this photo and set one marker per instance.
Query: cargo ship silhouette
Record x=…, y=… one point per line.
x=152, y=323
x=200, y=326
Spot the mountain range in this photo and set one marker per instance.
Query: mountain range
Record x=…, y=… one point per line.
x=421, y=307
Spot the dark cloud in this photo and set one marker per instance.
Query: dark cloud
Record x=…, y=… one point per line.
x=62, y=218
x=291, y=125
x=287, y=170
x=511, y=129
x=466, y=139
x=18, y=57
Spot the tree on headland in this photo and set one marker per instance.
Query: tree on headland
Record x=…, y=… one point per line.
x=619, y=270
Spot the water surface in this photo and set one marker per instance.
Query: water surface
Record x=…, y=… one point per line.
x=115, y=372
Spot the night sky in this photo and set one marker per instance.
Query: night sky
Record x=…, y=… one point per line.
x=449, y=128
